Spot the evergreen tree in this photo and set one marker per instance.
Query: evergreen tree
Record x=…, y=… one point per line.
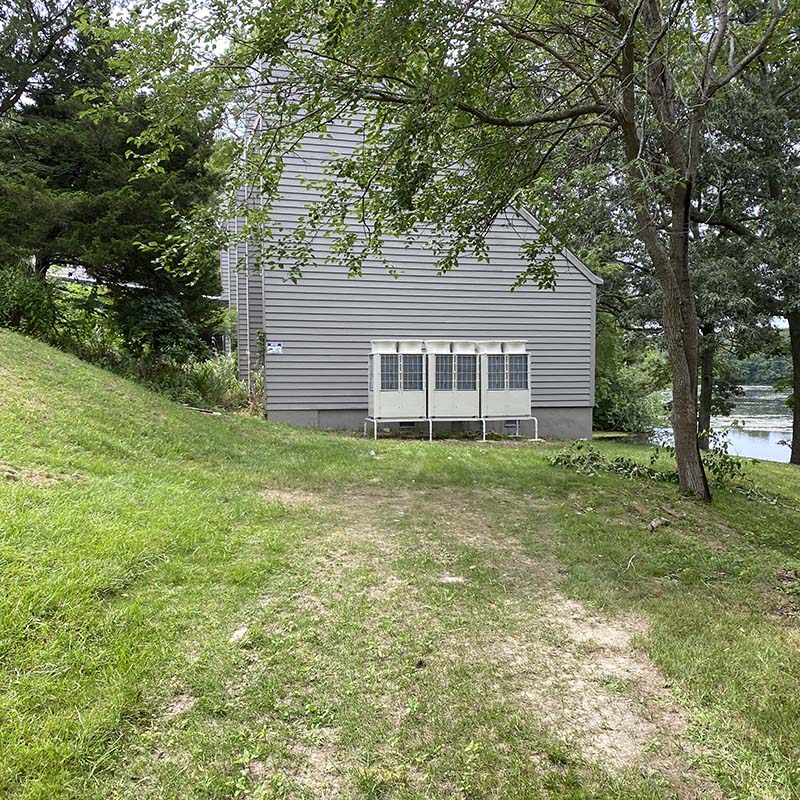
x=33, y=36
x=70, y=196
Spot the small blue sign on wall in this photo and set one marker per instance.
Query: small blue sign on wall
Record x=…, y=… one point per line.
x=274, y=347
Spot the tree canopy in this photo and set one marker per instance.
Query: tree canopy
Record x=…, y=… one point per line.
x=70, y=197
x=32, y=37
x=468, y=108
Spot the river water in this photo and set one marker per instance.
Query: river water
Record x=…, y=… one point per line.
x=758, y=424
x=757, y=427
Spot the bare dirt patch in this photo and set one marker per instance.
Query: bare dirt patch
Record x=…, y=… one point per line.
x=442, y=521
x=581, y=673
x=783, y=601
x=317, y=766
x=180, y=705
x=583, y=676
x=369, y=516
x=292, y=498
x=585, y=627
x=311, y=603
x=257, y=770
x=314, y=765
x=238, y=634
x=451, y=579
x=38, y=477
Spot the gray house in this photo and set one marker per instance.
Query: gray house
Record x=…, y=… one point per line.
x=315, y=336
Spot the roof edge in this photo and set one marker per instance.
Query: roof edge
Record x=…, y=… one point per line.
x=568, y=254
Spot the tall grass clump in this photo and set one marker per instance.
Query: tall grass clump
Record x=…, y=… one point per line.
x=212, y=382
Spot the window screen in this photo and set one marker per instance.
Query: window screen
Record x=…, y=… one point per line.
x=497, y=372
x=390, y=367
x=466, y=373
x=444, y=373
x=518, y=371
x=412, y=372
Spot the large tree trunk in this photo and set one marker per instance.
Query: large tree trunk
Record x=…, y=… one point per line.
x=794, y=340
x=706, y=389
x=671, y=263
x=681, y=332
x=679, y=317
x=691, y=473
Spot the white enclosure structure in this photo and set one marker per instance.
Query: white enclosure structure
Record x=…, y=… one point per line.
x=449, y=380
x=504, y=379
x=453, y=380
x=397, y=379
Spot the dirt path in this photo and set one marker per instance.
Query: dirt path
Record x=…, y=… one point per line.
x=582, y=676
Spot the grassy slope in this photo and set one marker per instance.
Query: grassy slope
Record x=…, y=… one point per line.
x=122, y=582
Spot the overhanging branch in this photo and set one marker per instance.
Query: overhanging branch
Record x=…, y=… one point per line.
x=485, y=117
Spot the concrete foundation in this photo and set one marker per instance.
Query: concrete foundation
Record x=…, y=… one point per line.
x=554, y=423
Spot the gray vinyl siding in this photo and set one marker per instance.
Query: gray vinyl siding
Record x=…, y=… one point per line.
x=228, y=270
x=327, y=320
x=224, y=274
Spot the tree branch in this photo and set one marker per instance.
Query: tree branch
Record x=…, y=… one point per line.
x=719, y=220
x=486, y=118
x=740, y=66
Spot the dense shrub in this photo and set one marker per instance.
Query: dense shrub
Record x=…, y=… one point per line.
x=626, y=382
x=146, y=338
x=625, y=402
x=27, y=302
x=213, y=383
x=158, y=335
x=87, y=328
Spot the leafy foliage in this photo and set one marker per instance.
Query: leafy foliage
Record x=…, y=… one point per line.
x=147, y=338
x=765, y=368
x=34, y=35
x=725, y=470
x=157, y=331
x=27, y=304
x=465, y=111
x=585, y=459
x=70, y=198
x=72, y=206
x=626, y=383
x=727, y=387
x=213, y=383
x=754, y=163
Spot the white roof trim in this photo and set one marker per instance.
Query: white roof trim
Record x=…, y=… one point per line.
x=568, y=254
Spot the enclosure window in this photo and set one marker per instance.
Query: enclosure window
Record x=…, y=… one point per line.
x=412, y=372
x=390, y=368
x=497, y=372
x=518, y=371
x=444, y=373
x=466, y=373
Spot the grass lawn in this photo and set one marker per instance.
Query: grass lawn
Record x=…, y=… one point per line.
x=218, y=607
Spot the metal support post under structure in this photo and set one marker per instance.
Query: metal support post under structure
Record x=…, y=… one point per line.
x=430, y=420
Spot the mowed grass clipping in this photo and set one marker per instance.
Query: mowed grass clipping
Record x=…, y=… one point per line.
x=198, y=606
